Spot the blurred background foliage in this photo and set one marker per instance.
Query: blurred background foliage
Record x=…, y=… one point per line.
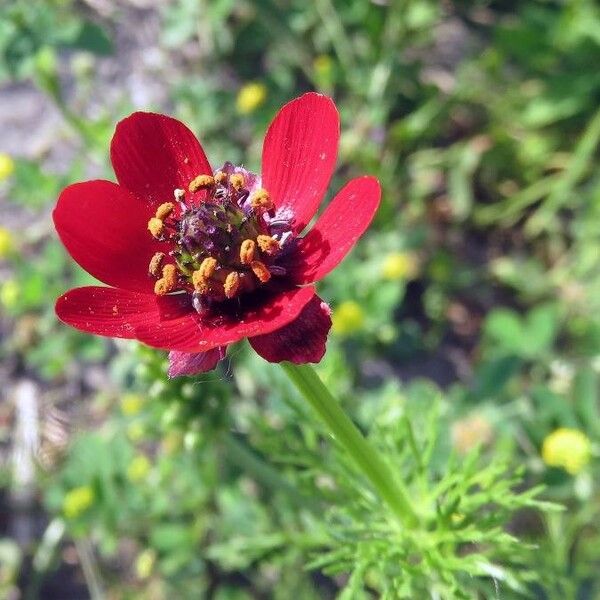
x=466, y=337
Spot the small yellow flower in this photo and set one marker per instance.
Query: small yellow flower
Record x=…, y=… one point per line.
x=77, y=501
x=567, y=448
x=138, y=468
x=6, y=242
x=135, y=431
x=7, y=166
x=131, y=404
x=250, y=97
x=144, y=564
x=348, y=318
x=323, y=64
x=400, y=265
x=9, y=293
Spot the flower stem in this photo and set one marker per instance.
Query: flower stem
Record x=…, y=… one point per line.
x=347, y=434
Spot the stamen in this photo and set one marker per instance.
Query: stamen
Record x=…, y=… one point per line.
x=261, y=271
x=169, y=273
x=232, y=284
x=220, y=245
x=154, y=268
x=200, y=282
x=207, y=267
x=247, y=251
x=164, y=210
x=155, y=227
x=261, y=199
x=237, y=181
x=201, y=182
x=161, y=287
x=268, y=244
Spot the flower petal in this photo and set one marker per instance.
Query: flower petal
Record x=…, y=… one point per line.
x=301, y=341
x=115, y=312
x=105, y=229
x=336, y=231
x=153, y=154
x=190, y=334
x=299, y=155
x=188, y=363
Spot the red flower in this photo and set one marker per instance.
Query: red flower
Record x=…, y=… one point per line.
x=198, y=259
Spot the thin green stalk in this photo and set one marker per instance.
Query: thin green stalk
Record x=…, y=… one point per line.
x=575, y=169
x=337, y=35
x=347, y=434
x=90, y=570
x=264, y=473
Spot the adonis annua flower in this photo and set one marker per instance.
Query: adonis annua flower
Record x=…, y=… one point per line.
x=196, y=259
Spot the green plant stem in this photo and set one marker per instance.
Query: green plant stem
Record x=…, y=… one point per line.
x=264, y=473
x=347, y=434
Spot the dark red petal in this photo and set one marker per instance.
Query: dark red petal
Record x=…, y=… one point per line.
x=299, y=154
x=336, y=231
x=105, y=229
x=190, y=334
x=301, y=341
x=187, y=363
x=114, y=312
x=153, y=154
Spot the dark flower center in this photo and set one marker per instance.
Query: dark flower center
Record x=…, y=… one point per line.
x=228, y=245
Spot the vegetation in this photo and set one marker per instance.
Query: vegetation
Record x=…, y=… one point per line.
x=466, y=335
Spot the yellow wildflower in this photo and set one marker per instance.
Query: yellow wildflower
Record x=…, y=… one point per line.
x=9, y=293
x=567, y=448
x=77, y=501
x=250, y=97
x=6, y=242
x=144, y=563
x=400, y=265
x=138, y=468
x=131, y=404
x=348, y=318
x=7, y=166
x=323, y=64
x=136, y=431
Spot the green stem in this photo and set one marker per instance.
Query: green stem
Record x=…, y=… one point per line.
x=264, y=473
x=347, y=434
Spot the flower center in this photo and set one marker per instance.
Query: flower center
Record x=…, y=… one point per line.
x=227, y=245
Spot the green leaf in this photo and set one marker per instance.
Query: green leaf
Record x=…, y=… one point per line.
x=93, y=38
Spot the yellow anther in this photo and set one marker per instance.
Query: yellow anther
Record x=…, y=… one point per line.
x=201, y=182
x=169, y=274
x=237, y=181
x=261, y=271
x=155, y=227
x=268, y=244
x=154, y=268
x=164, y=210
x=232, y=284
x=207, y=267
x=247, y=251
x=161, y=287
x=261, y=199
x=220, y=177
x=168, y=282
x=199, y=282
